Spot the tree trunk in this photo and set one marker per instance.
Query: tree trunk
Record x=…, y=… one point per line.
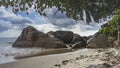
x=118, y=28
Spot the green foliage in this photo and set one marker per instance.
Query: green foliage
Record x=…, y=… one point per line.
x=112, y=25
x=72, y=8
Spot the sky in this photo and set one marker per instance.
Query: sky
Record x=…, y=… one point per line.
x=12, y=24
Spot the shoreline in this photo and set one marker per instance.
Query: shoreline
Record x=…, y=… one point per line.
x=38, y=61
x=80, y=58
x=44, y=52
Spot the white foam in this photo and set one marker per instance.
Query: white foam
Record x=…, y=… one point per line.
x=8, y=52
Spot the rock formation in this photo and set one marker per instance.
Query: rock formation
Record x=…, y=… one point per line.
x=99, y=41
x=65, y=36
x=80, y=40
x=31, y=37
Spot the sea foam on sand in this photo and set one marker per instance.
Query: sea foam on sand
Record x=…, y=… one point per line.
x=78, y=59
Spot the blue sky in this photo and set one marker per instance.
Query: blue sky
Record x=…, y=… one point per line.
x=12, y=24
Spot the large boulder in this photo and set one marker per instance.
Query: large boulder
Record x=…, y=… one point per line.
x=65, y=36
x=31, y=37
x=78, y=41
x=51, y=34
x=87, y=37
x=99, y=41
x=53, y=43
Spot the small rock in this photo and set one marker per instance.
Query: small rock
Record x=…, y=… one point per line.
x=107, y=65
x=100, y=51
x=57, y=65
x=77, y=58
x=65, y=62
x=117, y=66
x=104, y=65
x=82, y=57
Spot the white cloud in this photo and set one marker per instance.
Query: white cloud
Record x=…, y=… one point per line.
x=13, y=18
x=10, y=33
x=7, y=24
x=76, y=29
x=11, y=24
x=58, y=18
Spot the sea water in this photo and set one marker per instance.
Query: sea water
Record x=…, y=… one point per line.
x=7, y=52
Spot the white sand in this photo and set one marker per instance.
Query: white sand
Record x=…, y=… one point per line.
x=86, y=57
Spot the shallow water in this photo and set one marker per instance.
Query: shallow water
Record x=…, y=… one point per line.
x=7, y=52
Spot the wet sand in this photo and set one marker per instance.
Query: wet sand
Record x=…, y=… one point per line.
x=78, y=59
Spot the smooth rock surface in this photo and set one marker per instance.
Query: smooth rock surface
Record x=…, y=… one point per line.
x=31, y=37
x=100, y=41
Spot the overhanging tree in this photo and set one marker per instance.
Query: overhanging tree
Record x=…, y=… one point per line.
x=72, y=8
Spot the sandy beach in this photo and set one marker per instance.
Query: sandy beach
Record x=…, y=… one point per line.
x=78, y=59
x=59, y=34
